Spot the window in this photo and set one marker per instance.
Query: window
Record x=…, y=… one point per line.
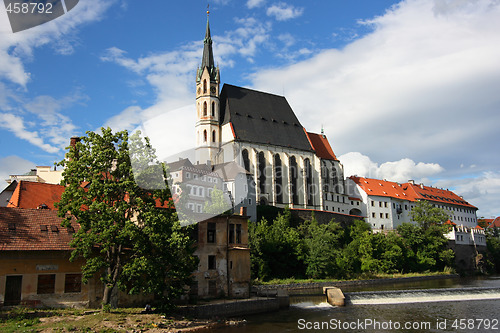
x=46, y=284
x=211, y=262
x=204, y=109
x=199, y=208
x=205, y=136
x=213, y=136
x=213, y=109
x=188, y=175
x=381, y=215
x=211, y=232
x=406, y=207
x=73, y=283
x=386, y=215
x=249, y=201
x=238, y=233
x=373, y=203
x=380, y=204
x=385, y=204
x=195, y=176
x=204, y=86
x=231, y=233
x=191, y=207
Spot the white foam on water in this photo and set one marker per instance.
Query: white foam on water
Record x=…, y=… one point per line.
x=311, y=305
x=426, y=298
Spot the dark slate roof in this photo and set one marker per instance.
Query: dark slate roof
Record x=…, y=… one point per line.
x=260, y=117
x=181, y=163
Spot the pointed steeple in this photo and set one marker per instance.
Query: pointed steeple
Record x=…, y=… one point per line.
x=208, y=56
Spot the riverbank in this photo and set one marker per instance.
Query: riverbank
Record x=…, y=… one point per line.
x=118, y=320
x=300, y=288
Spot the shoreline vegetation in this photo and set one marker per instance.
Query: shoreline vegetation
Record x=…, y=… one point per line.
x=363, y=277
x=20, y=319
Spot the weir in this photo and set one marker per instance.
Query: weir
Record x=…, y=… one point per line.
x=422, y=295
x=333, y=296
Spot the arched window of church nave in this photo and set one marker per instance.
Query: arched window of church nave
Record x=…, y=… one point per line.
x=204, y=86
x=335, y=179
x=213, y=109
x=325, y=174
x=308, y=181
x=278, y=177
x=294, y=175
x=204, y=109
x=262, y=172
x=213, y=136
x=204, y=135
x=246, y=160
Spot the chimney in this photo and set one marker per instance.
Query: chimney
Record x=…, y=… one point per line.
x=243, y=211
x=72, y=144
x=73, y=140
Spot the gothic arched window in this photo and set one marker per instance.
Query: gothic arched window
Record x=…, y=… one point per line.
x=246, y=160
x=213, y=136
x=278, y=177
x=213, y=109
x=294, y=175
x=262, y=172
x=204, y=109
x=308, y=181
x=204, y=86
x=205, y=136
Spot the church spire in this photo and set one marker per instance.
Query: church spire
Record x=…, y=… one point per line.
x=208, y=56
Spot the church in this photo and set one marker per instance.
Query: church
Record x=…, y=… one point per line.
x=260, y=133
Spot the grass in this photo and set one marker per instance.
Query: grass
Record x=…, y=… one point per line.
x=81, y=320
x=364, y=276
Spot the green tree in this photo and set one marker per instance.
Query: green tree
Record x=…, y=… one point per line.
x=426, y=214
x=217, y=204
x=425, y=248
x=277, y=249
x=113, y=187
x=323, y=243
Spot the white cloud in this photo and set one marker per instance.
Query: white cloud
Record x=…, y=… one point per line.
x=420, y=85
x=482, y=190
x=403, y=170
x=17, y=48
x=39, y=121
x=13, y=165
x=255, y=3
x=282, y=11
x=16, y=125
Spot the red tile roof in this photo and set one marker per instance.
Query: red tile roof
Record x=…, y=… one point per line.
x=495, y=223
x=33, y=194
x=384, y=188
x=33, y=230
x=320, y=144
x=437, y=195
x=409, y=191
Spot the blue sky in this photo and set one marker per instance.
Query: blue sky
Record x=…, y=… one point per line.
x=404, y=90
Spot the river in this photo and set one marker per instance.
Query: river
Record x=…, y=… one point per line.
x=428, y=314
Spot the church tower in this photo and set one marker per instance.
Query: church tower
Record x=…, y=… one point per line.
x=207, y=105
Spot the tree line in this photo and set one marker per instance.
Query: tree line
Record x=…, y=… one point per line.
x=313, y=250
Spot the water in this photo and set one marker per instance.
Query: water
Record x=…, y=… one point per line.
x=473, y=313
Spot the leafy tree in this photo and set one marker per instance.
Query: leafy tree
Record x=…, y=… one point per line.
x=277, y=249
x=123, y=235
x=322, y=243
x=426, y=248
x=217, y=204
x=426, y=214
